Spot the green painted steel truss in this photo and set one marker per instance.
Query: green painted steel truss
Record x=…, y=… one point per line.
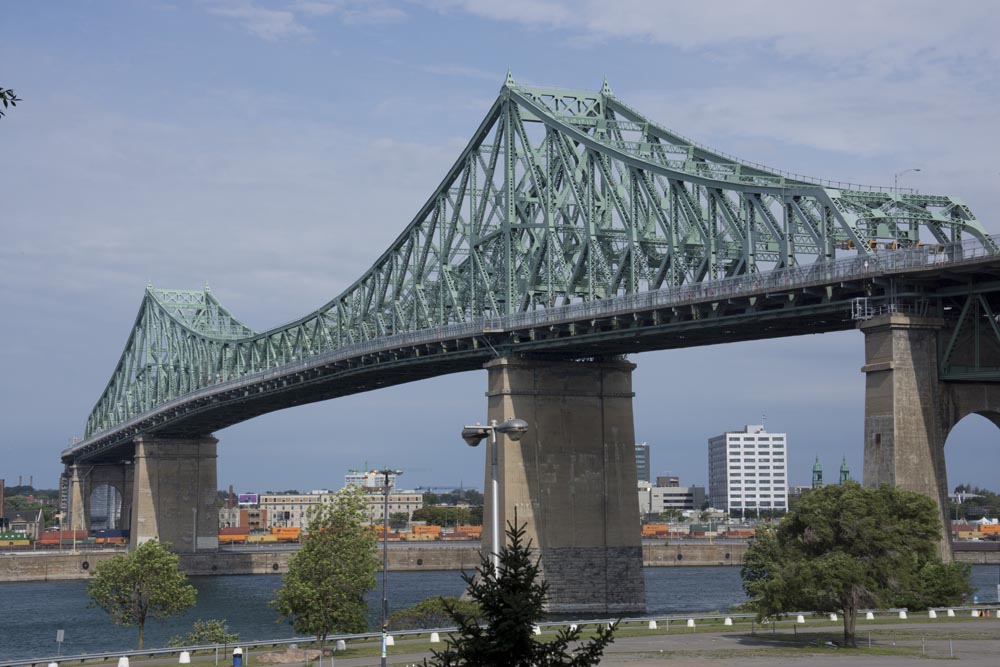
x=559, y=197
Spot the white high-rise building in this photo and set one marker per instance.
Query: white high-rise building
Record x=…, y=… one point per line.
x=747, y=470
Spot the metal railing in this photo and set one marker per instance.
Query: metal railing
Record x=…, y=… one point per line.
x=333, y=639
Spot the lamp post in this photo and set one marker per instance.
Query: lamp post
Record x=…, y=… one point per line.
x=385, y=472
x=473, y=435
x=895, y=178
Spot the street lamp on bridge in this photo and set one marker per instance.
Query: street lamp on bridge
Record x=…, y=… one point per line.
x=514, y=429
x=895, y=178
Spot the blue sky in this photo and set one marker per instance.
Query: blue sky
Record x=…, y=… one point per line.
x=274, y=149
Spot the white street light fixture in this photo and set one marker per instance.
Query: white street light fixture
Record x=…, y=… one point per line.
x=473, y=435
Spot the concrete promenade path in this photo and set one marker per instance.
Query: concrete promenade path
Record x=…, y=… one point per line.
x=973, y=642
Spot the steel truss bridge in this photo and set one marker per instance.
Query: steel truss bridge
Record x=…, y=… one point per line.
x=570, y=226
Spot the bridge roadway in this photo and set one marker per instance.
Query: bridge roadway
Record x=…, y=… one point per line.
x=808, y=299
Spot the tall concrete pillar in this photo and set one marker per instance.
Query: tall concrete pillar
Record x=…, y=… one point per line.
x=572, y=478
x=174, y=493
x=78, y=519
x=905, y=428
x=909, y=411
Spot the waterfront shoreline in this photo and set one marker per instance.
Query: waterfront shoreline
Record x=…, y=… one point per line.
x=66, y=566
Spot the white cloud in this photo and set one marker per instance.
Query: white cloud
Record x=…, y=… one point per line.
x=269, y=24
x=290, y=19
x=890, y=84
x=889, y=33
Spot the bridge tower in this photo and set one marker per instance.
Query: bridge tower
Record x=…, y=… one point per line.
x=572, y=477
x=166, y=491
x=174, y=494
x=910, y=408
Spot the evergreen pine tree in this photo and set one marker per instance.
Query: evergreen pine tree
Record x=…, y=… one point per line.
x=511, y=600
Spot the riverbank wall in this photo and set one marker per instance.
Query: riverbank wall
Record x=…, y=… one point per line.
x=48, y=566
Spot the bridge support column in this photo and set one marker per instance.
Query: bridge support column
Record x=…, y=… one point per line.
x=78, y=519
x=906, y=422
x=174, y=493
x=572, y=478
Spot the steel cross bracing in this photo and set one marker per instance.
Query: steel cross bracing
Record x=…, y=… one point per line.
x=560, y=198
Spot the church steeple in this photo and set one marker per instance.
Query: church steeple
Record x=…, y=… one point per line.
x=845, y=472
x=817, y=474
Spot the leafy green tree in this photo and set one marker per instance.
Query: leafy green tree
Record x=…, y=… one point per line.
x=511, y=600
x=8, y=97
x=443, y=515
x=431, y=613
x=211, y=631
x=937, y=584
x=845, y=547
x=476, y=515
x=671, y=514
x=144, y=583
x=324, y=589
x=398, y=520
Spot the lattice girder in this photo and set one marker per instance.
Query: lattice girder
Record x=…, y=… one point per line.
x=559, y=197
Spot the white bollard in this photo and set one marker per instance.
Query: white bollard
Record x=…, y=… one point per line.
x=435, y=638
x=869, y=616
x=833, y=617
x=951, y=612
x=690, y=622
x=728, y=621
x=184, y=659
x=535, y=629
x=389, y=641
x=931, y=614
x=800, y=619
x=123, y=661
x=902, y=614
x=341, y=645
x=652, y=625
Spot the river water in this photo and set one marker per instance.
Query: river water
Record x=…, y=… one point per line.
x=31, y=612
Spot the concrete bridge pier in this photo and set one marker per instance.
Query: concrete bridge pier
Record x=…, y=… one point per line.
x=572, y=477
x=85, y=479
x=174, y=493
x=909, y=411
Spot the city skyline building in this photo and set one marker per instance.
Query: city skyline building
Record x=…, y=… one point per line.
x=656, y=499
x=642, y=467
x=747, y=470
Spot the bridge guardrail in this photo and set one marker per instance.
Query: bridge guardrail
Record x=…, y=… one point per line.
x=332, y=639
x=968, y=251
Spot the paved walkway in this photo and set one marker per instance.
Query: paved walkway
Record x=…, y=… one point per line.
x=975, y=643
